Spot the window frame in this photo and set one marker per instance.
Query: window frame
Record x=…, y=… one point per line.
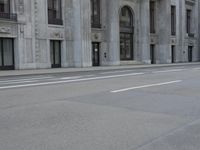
x=126, y=34
x=95, y=19
x=152, y=5
x=173, y=20
x=53, y=12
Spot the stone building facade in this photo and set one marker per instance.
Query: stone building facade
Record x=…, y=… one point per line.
x=84, y=33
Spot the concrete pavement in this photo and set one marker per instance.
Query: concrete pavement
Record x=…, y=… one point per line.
x=79, y=111
x=103, y=68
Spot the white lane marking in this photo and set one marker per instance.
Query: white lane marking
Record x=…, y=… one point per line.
x=26, y=79
x=69, y=81
x=146, y=86
x=68, y=78
x=196, y=68
x=19, y=82
x=111, y=72
x=166, y=71
x=91, y=75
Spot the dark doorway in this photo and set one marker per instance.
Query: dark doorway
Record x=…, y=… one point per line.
x=190, y=53
x=126, y=34
x=55, y=53
x=95, y=54
x=173, y=54
x=6, y=54
x=152, y=54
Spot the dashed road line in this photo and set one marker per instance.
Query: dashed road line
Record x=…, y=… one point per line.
x=145, y=86
x=111, y=72
x=68, y=78
x=24, y=79
x=166, y=71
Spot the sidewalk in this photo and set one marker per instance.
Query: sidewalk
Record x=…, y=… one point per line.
x=104, y=68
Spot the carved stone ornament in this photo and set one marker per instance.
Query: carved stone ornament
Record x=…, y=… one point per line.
x=96, y=36
x=56, y=35
x=21, y=7
x=5, y=30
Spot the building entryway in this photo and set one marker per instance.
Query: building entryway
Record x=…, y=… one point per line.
x=6, y=54
x=152, y=54
x=190, y=49
x=173, y=54
x=96, y=54
x=55, y=53
x=126, y=34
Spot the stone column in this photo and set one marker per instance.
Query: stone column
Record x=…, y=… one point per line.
x=144, y=32
x=113, y=32
x=69, y=27
x=40, y=29
x=199, y=29
x=164, y=31
x=82, y=33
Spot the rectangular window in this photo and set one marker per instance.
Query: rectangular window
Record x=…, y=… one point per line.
x=95, y=14
x=55, y=12
x=152, y=17
x=173, y=20
x=188, y=21
x=5, y=6
x=5, y=11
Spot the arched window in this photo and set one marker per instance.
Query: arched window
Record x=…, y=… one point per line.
x=126, y=34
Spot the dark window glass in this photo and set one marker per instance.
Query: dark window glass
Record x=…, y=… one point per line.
x=152, y=17
x=5, y=6
x=55, y=12
x=95, y=14
x=126, y=17
x=6, y=53
x=126, y=34
x=5, y=11
x=152, y=54
x=55, y=53
x=173, y=54
x=190, y=53
x=173, y=20
x=188, y=21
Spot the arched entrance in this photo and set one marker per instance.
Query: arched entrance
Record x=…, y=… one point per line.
x=126, y=34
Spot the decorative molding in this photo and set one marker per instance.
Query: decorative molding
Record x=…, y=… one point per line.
x=36, y=27
x=6, y=30
x=173, y=41
x=97, y=36
x=21, y=7
x=57, y=35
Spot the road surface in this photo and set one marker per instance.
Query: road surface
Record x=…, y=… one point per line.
x=125, y=109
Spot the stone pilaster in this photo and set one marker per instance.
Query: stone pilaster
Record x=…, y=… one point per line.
x=113, y=32
x=144, y=29
x=40, y=30
x=82, y=33
x=164, y=31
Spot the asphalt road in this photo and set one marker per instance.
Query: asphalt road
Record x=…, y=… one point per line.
x=140, y=109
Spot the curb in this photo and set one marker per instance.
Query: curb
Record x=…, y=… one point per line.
x=75, y=70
